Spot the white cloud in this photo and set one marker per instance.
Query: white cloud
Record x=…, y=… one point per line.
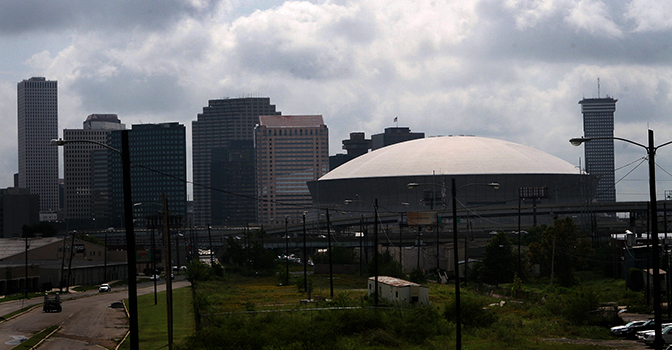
x=650, y=15
x=513, y=70
x=593, y=17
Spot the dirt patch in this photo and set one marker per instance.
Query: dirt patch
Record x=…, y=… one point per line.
x=615, y=343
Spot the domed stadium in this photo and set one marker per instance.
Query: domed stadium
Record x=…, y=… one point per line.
x=432, y=163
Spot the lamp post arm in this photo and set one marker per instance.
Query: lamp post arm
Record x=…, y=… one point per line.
x=61, y=142
x=579, y=140
x=662, y=145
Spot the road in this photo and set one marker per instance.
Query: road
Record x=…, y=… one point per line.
x=87, y=321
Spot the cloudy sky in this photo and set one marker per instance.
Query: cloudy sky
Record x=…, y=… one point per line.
x=506, y=69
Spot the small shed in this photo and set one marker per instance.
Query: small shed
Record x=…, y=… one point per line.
x=398, y=291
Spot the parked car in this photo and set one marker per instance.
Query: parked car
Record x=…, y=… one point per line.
x=641, y=335
x=666, y=332
x=154, y=277
x=646, y=326
x=104, y=288
x=625, y=329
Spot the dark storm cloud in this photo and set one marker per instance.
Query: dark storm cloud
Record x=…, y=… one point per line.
x=21, y=16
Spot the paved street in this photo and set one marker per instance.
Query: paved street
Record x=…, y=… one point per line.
x=87, y=321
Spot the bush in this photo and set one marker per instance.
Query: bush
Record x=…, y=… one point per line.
x=198, y=271
x=418, y=276
x=472, y=312
x=420, y=324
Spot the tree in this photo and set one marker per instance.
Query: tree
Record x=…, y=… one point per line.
x=561, y=251
x=387, y=266
x=339, y=255
x=499, y=262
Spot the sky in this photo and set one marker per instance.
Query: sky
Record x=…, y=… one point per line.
x=507, y=69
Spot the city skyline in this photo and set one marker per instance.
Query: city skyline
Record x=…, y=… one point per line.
x=506, y=70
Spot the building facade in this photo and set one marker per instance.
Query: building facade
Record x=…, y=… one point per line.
x=37, y=105
x=223, y=122
x=18, y=207
x=233, y=175
x=158, y=166
x=290, y=151
x=394, y=135
x=355, y=146
x=598, y=121
x=85, y=170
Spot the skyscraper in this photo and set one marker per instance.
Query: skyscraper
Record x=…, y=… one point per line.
x=598, y=121
x=159, y=166
x=290, y=151
x=85, y=170
x=222, y=122
x=37, y=126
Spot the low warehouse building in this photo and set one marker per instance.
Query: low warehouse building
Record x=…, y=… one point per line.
x=398, y=291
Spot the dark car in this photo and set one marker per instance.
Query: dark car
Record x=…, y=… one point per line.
x=625, y=329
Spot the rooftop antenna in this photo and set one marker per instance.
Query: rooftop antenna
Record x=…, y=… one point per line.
x=598, y=87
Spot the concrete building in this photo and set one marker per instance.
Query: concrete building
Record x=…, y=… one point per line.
x=233, y=173
x=290, y=151
x=598, y=121
x=355, y=146
x=394, y=135
x=222, y=122
x=37, y=125
x=85, y=169
x=384, y=175
x=52, y=261
x=159, y=157
x=18, y=207
x=397, y=291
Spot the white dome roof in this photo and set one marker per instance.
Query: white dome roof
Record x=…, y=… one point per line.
x=452, y=155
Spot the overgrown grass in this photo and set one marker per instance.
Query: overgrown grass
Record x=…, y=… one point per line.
x=152, y=319
x=230, y=320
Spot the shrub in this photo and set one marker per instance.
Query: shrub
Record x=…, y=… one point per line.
x=198, y=271
x=472, y=312
x=418, y=276
x=420, y=324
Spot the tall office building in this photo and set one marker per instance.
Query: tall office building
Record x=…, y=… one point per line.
x=290, y=151
x=223, y=122
x=85, y=170
x=233, y=173
x=159, y=166
x=598, y=121
x=394, y=135
x=37, y=126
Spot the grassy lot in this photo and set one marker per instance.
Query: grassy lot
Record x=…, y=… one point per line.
x=152, y=319
x=236, y=316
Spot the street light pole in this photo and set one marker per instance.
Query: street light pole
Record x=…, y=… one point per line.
x=212, y=257
x=456, y=262
x=375, y=251
x=130, y=244
x=458, y=317
x=651, y=153
x=130, y=234
x=286, y=252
